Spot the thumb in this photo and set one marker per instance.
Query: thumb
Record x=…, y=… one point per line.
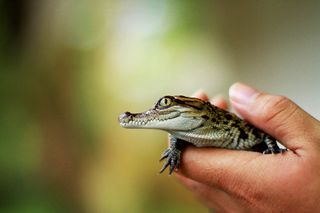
x=276, y=115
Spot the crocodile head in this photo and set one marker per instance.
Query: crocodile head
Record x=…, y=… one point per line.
x=170, y=113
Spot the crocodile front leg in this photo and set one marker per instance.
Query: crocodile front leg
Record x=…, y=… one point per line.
x=172, y=154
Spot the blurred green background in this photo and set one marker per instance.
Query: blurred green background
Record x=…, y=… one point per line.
x=69, y=68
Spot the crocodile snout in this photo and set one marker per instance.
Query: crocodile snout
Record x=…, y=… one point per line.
x=125, y=117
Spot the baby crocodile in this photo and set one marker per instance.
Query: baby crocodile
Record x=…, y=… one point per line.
x=201, y=124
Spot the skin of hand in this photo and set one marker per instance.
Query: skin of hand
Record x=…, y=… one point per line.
x=244, y=181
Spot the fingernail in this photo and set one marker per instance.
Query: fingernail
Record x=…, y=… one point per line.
x=242, y=94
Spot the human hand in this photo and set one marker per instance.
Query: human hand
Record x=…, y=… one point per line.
x=244, y=181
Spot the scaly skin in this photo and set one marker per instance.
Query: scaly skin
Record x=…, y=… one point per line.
x=201, y=124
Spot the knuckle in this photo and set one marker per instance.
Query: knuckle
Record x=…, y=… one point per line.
x=277, y=108
x=281, y=101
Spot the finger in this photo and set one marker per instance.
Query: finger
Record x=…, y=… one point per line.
x=276, y=115
x=201, y=95
x=239, y=173
x=212, y=197
x=220, y=102
x=220, y=168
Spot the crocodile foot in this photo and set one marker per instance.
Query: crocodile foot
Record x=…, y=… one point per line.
x=274, y=150
x=172, y=156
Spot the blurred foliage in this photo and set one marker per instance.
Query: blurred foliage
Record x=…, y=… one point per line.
x=69, y=68
x=62, y=149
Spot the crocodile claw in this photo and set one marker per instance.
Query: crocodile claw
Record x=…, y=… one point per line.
x=172, y=156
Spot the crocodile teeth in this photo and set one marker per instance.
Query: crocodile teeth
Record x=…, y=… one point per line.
x=143, y=122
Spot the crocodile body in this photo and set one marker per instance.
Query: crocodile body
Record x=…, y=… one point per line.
x=191, y=120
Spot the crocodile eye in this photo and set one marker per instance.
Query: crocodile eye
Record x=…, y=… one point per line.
x=165, y=102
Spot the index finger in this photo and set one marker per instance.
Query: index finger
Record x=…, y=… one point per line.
x=229, y=169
